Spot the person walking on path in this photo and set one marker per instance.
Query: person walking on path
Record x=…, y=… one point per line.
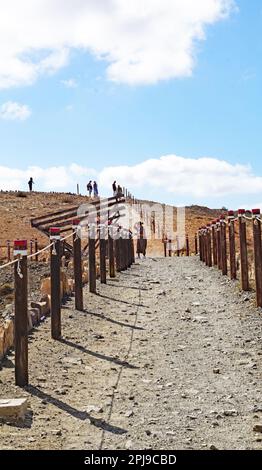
x=114, y=187
x=141, y=240
x=30, y=184
x=89, y=188
x=95, y=187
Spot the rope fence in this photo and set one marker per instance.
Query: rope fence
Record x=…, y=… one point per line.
x=225, y=244
x=106, y=256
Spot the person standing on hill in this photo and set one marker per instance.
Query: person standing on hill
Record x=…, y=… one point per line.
x=114, y=188
x=30, y=184
x=95, y=187
x=89, y=188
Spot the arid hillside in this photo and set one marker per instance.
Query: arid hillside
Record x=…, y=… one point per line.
x=17, y=209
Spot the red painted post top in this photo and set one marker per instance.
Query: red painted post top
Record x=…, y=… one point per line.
x=20, y=247
x=231, y=213
x=222, y=217
x=75, y=222
x=54, y=233
x=256, y=211
x=241, y=211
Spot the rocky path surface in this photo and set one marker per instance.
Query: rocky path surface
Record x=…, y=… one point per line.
x=167, y=356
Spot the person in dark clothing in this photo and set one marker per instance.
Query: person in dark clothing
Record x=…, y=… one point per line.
x=30, y=184
x=114, y=187
x=141, y=240
x=89, y=188
x=119, y=191
x=95, y=187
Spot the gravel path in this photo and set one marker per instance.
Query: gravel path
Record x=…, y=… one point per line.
x=167, y=356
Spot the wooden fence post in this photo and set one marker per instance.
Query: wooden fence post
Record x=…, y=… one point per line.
x=117, y=253
x=223, y=241
x=232, y=245
x=132, y=249
x=257, y=254
x=78, y=266
x=92, y=258
x=36, y=249
x=102, y=250
x=209, y=249
x=21, y=313
x=205, y=247
x=218, y=238
x=200, y=244
x=169, y=248
x=8, y=251
x=111, y=254
x=178, y=246
x=243, y=250
x=214, y=242
x=187, y=246
x=196, y=245
x=55, y=283
x=165, y=247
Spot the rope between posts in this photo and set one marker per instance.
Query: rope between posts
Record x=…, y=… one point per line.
x=68, y=236
x=40, y=251
x=34, y=254
x=8, y=264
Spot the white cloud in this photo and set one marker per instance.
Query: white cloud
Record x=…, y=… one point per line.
x=12, y=111
x=196, y=178
x=57, y=178
x=142, y=42
x=206, y=181
x=70, y=83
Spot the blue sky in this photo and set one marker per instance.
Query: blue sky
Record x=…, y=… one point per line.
x=98, y=123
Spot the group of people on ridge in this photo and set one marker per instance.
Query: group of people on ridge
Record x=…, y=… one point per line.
x=92, y=187
x=117, y=190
